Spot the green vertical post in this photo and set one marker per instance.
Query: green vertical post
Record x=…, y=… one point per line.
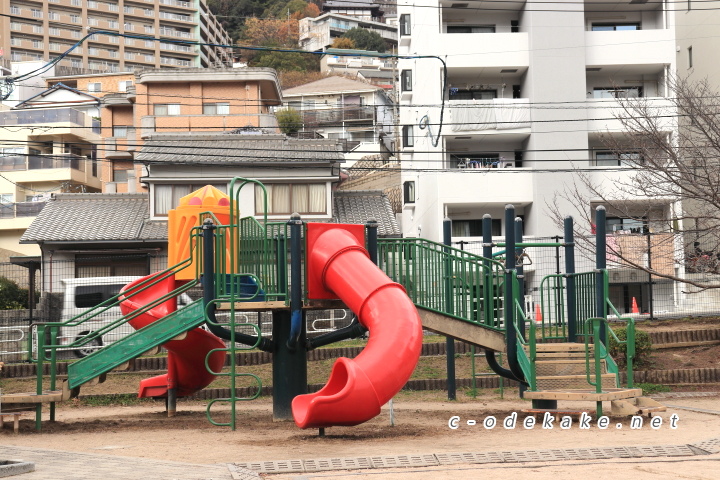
x=450, y=342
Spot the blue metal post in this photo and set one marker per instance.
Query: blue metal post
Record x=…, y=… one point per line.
x=450, y=342
x=570, y=279
x=600, y=266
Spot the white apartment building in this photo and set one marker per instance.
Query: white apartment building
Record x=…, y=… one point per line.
x=531, y=89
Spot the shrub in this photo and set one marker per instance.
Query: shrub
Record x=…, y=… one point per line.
x=643, y=347
x=12, y=297
x=290, y=120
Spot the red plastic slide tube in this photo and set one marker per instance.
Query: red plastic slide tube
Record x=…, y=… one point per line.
x=358, y=388
x=186, y=357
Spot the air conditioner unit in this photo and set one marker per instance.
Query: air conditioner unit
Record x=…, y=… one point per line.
x=510, y=164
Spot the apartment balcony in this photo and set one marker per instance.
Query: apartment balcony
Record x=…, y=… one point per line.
x=180, y=4
x=459, y=189
x=359, y=62
x=205, y=123
x=496, y=116
x=20, y=209
x=488, y=49
x=633, y=47
x=604, y=114
x=338, y=116
x=49, y=168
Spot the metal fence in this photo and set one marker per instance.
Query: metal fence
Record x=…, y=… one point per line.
x=685, y=279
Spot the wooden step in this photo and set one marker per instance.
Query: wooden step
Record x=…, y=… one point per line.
x=561, y=355
x=569, y=382
x=47, y=396
x=607, y=395
x=566, y=367
x=562, y=347
x=636, y=406
x=153, y=351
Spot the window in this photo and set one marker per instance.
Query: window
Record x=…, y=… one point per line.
x=125, y=84
x=607, y=158
x=36, y=13
x=216, y=108
x=37, y=43
x=472, y=94
x=611, y=27
x=167, y=109
x=409, y=192
x=473, y=228
x=406, y=81
x=149, y=58
x=471, y=29
x=75, y=18
x=54, y=31
x=618, y=92
x=92, y=4
x=120, y=131
x=53, y=16
x=626, y=225
x=37, y=29
x=113, y=24
x=285, y=199
x=149, y=12
x=408, y=137
x=405, y=24
x=120, y=176
x=93, y=21
x=690, y=59
x=94, y=87
x=167, y=197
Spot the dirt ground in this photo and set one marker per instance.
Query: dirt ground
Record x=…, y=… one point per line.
x=421, y=427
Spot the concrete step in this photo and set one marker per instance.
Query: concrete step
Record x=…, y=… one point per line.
x=607, y=395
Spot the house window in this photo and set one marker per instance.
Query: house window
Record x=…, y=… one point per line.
x=607, y=158
x=405, y=24
x=618, y=92
x=167, y=109
x=690, y=59
x=409, y=192
x=472, y=94
x=626, y=225
x=285, y=199
x=94, y=87
x=87, y=266
x=120, y=176
x=123, y=85
x=120, y=131
x=216, y=108
x=406, y=81
x=611, y=27
x=408, y=137
x=473, y=228
x=167, y=197
x=471, y=29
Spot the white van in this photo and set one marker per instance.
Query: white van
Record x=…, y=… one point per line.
x=82, y=294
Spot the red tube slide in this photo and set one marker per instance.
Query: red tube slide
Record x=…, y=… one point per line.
x=358, y=388
x=186, y=357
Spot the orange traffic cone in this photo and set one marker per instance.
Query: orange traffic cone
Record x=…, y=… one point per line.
x=634, y=308
x=538, y=313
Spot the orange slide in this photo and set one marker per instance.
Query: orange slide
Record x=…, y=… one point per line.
x=357, y=389
x=186, y=357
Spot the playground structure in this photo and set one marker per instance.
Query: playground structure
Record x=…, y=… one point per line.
x=396, y=287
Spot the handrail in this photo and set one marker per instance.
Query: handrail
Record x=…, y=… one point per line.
x=473, y=286
x=558, y=290
x=527, y=364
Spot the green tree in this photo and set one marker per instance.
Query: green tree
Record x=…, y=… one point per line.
x=286, y=61
x=366, y=39
x=290, y=120
x=12, y=297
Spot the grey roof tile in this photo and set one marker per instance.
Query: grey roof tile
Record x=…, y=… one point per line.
x=154, y=230
x=361, y=206
x=238, y=149
x=331, y=84
x=89, y=217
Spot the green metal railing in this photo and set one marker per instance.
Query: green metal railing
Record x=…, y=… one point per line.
x=526, y=360
x=446, y=280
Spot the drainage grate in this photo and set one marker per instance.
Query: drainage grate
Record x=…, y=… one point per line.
x=394, y=461
x=278, y=466
x=710, y=446
x=239, y=473
x=322, y=464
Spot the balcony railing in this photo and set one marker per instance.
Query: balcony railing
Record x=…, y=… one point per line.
x=54, y=115
x=337, y=116
x=20, y=209
x=36, y=162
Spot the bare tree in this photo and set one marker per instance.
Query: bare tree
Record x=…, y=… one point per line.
x=665, y=196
